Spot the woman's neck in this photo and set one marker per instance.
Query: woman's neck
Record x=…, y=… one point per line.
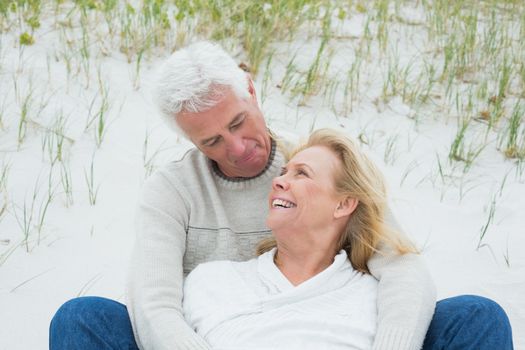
x=299, y=267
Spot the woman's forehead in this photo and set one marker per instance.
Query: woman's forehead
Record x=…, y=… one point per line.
x=317, y=157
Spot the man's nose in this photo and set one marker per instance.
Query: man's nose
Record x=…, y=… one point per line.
x=235, y=146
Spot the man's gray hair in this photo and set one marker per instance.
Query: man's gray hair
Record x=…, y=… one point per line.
x=195, y=78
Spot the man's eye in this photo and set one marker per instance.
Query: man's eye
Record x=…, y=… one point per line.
x=237, y=125
x=283, y=171
x=233, y=127
x=238, y=122
x=212, y=143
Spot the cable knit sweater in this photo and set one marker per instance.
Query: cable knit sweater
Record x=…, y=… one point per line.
x=191, y=213
x=251, y=305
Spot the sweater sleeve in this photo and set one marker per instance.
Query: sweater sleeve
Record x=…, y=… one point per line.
x=155, y=280
x=406, y=299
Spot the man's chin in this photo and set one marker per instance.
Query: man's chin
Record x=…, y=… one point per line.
x=246, y=168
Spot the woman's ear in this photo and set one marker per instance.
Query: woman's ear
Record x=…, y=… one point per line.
x=345, y=207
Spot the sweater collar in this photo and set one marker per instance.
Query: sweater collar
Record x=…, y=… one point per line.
x=333, y=277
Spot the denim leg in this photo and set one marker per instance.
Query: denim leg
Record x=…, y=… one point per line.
x=469, y=322
x=91, y=323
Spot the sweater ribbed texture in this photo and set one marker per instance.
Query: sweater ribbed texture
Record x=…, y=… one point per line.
x=392, y=338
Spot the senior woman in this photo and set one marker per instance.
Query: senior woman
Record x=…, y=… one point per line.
x=310, y=287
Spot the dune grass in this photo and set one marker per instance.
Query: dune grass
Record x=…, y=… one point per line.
x=458, y=62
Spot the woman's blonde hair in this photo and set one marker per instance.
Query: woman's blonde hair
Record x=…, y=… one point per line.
x=357, y=178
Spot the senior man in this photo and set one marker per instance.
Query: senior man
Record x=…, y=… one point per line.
x=212, y=205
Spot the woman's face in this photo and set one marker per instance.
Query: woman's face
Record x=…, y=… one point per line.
x=304, y=197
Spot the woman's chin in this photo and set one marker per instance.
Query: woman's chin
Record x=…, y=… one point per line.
x=270, y=223
x=274, y=222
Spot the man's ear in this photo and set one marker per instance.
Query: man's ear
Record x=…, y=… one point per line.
x=345, y=207
x=251, y=87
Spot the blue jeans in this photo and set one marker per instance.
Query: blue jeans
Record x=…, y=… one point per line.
x=463, y=322
x=469, y=322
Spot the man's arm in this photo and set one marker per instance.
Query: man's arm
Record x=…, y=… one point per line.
x=406, y=299
x=155, y=278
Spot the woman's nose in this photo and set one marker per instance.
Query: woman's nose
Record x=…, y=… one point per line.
x=280, y=183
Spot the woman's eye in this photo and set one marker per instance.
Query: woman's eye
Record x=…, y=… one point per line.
x=301, y=172
x=283, y=171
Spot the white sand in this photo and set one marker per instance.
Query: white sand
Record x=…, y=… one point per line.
x=84, y=249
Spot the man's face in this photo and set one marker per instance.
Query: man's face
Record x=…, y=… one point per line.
x=233, y=133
